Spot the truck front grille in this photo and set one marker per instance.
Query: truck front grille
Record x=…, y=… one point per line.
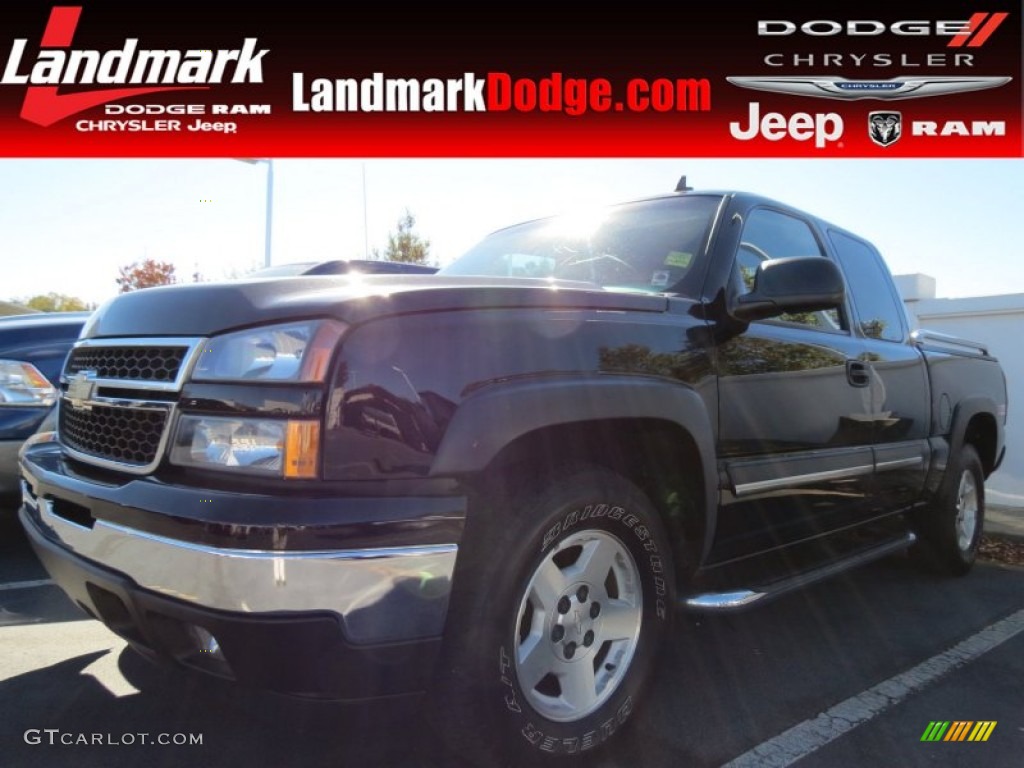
x=118, y=399
x=125, y=435
x=132, y=363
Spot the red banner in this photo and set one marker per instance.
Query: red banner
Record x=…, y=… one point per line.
x=105, y=79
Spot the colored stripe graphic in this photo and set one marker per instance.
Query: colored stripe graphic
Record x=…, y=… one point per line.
x=986, y=31
x=935, y=730
x=981, y=23
x=982, y=730
x=973, y=23
x=958, y=730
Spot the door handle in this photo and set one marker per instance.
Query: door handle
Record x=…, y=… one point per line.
x=858, y=373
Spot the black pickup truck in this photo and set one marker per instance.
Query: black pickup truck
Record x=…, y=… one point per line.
x=497, y=483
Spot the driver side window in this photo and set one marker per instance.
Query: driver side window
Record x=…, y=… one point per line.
x=770, y=234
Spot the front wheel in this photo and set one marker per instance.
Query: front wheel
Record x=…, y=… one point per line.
x=556, y=620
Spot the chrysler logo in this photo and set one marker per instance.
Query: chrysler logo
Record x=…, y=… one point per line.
x=842, y=88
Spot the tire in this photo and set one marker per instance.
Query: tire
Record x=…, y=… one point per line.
x=562, y=599
x=952, y=530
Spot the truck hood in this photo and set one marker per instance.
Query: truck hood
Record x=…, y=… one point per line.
x=204, y=309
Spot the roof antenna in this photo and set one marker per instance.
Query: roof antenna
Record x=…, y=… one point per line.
x=681, y=186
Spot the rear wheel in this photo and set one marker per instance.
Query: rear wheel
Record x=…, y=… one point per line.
x=557, y=617
x=953, y=527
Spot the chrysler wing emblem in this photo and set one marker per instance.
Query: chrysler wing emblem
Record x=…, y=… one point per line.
x=81, y=387
x=842, y=88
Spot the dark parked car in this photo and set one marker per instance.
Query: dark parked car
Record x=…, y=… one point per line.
x=344, y=267
x=32, y=352
x=497, y=484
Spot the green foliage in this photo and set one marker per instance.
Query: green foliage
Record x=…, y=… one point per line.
x=57, y=302
x=12, y=308
x=639, y=358
x=746, y=355
x=873, y=329
x=405, y=245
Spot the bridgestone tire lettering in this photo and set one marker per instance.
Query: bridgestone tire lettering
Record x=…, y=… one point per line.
x=485, y=711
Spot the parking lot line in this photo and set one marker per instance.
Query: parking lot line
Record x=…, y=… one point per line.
x=800, y=740
x=25, y=584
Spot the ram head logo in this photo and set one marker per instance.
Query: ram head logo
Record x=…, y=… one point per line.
x=885, y=128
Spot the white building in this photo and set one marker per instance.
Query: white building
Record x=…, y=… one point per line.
x=997, y=322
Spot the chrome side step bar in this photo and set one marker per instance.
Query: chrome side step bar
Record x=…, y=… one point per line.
x=736, y=600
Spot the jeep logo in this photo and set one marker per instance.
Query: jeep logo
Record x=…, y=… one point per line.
x=823, y=127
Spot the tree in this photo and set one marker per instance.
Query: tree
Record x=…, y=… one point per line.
x=12, y=308
x=145, y=274
x=57, y=302
x=404, y=244
x=236, y=272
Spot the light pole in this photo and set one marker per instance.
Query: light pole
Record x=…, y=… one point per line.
x=366, y=231
x=270, y=203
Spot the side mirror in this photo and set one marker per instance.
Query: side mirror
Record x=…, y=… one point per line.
x=801, y=284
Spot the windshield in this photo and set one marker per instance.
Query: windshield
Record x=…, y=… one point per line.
x=649, y=246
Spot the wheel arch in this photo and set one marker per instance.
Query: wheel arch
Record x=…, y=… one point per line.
x=657, y=435
x=975, y=423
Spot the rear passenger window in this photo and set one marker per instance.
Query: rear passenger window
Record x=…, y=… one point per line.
x=770, y=234
x=878, y=309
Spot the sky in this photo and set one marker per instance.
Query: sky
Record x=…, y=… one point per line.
x=66, y=226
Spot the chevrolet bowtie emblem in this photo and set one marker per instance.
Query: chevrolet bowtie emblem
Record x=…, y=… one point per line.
x=81, y=387
x=842, y=88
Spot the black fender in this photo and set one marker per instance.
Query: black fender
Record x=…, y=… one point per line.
x=963, y=412
x=966, y=410
x=490, y=419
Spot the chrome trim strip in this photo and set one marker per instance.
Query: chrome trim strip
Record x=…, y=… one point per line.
x=188, y=362
x=124, y=402
x=915, y=461
x=723, y=601
x=155, y=386
x=13, y=585
x=372, y=553
x=138, y=341
x=381, y=595
x=944, y=338
x=812, y=477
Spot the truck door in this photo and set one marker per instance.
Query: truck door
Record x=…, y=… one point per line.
x=898, y=387
x=795, y=438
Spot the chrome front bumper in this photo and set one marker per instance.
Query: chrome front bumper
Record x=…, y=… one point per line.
x=380, y=595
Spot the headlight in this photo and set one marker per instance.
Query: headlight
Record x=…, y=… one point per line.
x=289, y=352
x=23, y=384
x=271, y=447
